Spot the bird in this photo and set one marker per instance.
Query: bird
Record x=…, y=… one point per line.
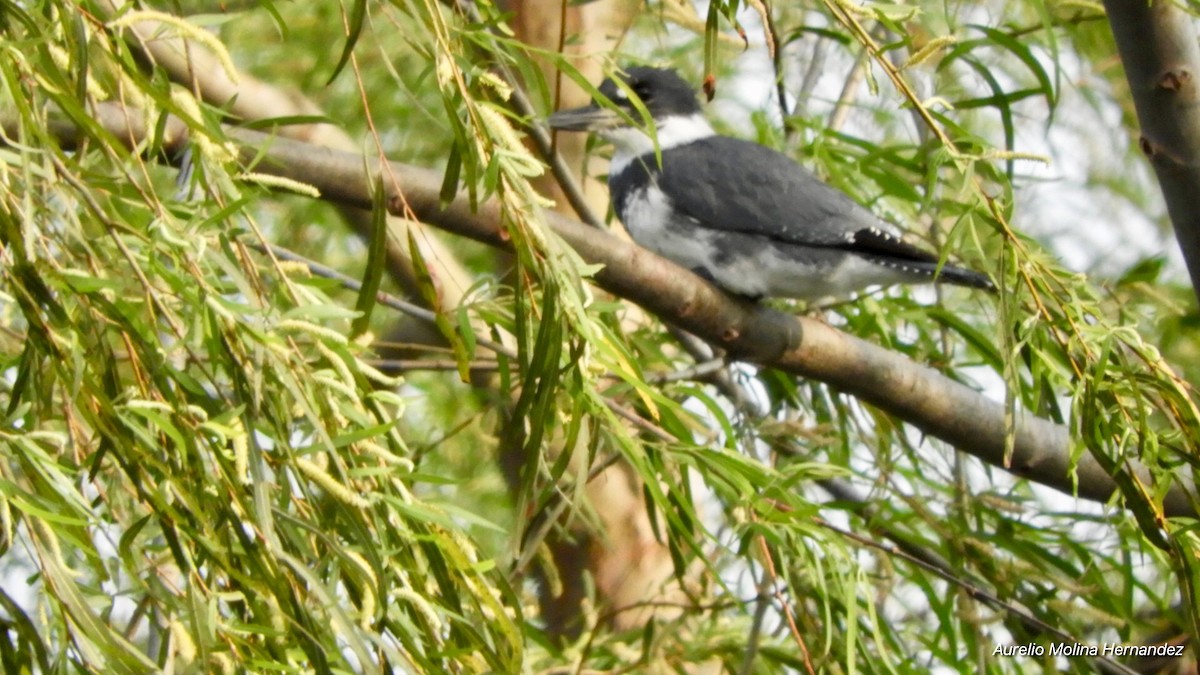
x=743, y=216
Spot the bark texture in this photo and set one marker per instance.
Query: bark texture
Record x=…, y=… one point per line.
x=1157, y=43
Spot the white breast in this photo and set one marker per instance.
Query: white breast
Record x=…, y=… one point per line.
x=653, y=224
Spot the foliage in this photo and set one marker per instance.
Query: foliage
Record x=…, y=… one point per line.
x=200, y=470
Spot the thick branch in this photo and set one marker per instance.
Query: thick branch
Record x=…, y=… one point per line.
x=919, y=395
x=1157, y=42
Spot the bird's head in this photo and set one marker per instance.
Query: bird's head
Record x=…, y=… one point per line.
x=644, y=105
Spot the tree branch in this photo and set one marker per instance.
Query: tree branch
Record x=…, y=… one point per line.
x=933, y=403
x=1157, y=43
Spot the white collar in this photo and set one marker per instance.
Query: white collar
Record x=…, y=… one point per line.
x=633, y=142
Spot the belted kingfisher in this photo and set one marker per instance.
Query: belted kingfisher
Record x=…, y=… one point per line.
x=739, y=214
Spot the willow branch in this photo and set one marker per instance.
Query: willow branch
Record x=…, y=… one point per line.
x=247, y=98
x=917, y=394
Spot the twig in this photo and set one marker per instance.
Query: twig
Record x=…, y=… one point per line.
x=776, y=51
x=770, y=574
x=698, y=371
x=974, y=591
x=382, y=298
x=541, y=138
x=812, y=75
x=849, y=92
x=397, y=365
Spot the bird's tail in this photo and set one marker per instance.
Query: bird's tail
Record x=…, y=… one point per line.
x=959, y=276
x=888, y=250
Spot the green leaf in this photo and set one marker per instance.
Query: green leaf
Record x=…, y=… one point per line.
x=376, y=262
x=358, y=16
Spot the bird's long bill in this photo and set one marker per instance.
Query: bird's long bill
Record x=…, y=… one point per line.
x=587, y=118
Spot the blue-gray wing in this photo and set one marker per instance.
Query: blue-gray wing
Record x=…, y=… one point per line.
x=730, y=184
